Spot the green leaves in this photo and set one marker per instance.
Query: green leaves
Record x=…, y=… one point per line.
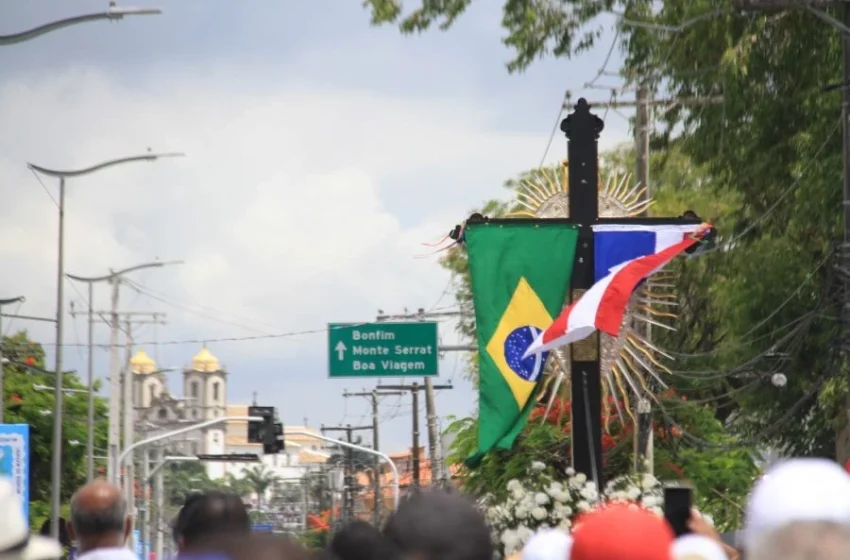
x=26, y=405
x=534, y=28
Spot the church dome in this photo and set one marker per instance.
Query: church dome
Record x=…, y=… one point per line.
x=142, y=363
x=205, y=361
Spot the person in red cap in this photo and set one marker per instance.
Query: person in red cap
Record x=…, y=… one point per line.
x=621, y=532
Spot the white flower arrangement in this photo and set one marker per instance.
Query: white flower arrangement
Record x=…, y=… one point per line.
x=642, y=489
x=543, y=501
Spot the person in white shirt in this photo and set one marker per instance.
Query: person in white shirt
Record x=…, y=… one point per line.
x=100, y=523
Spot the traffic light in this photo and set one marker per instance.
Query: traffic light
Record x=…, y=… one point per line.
x=277, y=444
x=265, y=431
x=256, y=428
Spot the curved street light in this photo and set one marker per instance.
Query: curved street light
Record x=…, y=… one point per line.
x=56, y=470
x=113, y=14
x=114, y=384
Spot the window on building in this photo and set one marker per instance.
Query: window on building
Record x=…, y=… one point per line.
x=163, y=414
x=195, y=389
x=216, y=387
x=152, y=391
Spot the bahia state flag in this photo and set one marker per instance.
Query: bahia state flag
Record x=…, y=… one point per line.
x=520, y=274
x=624, y=257
x=614, y=244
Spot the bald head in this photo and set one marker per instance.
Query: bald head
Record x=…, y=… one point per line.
x=99, y=516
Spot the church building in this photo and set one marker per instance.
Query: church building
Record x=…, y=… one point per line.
x=204, y=397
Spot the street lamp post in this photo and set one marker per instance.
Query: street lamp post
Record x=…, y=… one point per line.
x=113, y=14
x=3, y=302
x=113, y=278
x=56, y=471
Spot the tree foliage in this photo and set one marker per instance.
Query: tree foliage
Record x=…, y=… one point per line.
x=533, y=28
x=26, y=405
x=770, y=150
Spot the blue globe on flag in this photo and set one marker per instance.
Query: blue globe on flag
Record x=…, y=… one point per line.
x=516, y=344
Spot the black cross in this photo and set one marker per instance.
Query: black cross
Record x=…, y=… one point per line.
x=582, y=129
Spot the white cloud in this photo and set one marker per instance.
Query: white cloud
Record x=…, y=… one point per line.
x=292, y=209
x=278, y=211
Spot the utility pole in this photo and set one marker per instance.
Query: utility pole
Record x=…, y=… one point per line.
x=114, y=436
x=376, y=482
x=434, y=448
x=414, y=393
x=114, y=447
x=3, y=302
x=348, y=492
x=159, y=501
x=643, y=443
x=127, y=405
x=123, y=406
x=90, y=379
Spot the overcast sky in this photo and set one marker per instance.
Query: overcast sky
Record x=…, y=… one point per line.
x=321, y=154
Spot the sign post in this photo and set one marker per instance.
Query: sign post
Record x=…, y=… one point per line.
x=383, y=350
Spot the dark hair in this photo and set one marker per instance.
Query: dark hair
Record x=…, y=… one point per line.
x=211, y=514
x=64, y=537
x=436, y=525
x=88, y=521
x=357, y=540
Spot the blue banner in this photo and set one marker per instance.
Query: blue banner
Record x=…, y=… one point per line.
x=137, y=541
x=15, y=460
x=262, y=528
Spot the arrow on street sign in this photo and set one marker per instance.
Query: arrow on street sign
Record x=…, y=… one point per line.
x=340, y=350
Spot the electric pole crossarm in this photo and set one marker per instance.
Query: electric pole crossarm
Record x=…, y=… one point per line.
x=419, y=316
x=412, y=387
x=683, y=101
x=371, y=393
x=28, y=317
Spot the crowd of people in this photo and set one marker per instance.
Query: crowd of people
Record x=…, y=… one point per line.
x=798, y=510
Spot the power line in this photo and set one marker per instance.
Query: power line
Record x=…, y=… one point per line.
x=290, y=334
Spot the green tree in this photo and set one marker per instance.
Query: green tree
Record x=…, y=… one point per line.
x=260, y=479
x=26, y=405
x=186, y=478
x=775, y=142
x=533, y=28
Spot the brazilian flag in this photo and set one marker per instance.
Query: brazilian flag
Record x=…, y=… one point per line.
x=520, y=274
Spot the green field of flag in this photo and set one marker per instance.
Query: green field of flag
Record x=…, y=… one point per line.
x=520, y=275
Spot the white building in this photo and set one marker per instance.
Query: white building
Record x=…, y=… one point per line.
x=204, y=398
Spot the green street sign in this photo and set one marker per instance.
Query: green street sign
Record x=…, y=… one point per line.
x=382, y=350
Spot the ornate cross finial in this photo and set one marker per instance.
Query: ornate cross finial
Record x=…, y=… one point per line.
x=582, y=122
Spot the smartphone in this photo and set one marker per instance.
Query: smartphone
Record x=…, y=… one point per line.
x=678, y=503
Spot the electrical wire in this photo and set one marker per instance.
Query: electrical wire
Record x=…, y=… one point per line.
x=160, y=299
x=555, y=128
x=744, y=340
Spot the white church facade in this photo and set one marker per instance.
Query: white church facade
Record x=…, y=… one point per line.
x=204, y=384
